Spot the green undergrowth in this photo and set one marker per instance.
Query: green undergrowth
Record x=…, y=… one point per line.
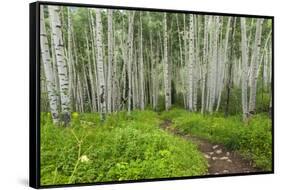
x=253, y=139
x=121, y=148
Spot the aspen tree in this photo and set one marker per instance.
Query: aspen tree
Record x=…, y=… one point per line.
x=191, y=62
x=50, y=80
x=167, y=90
x=254, y=66
x=244, y=67
x=130, y=57
x=56, y=28
x=110, y=59
x=141, y=71
x=100, y=69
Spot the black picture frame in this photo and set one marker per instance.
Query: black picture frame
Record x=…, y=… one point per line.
x=34, y=91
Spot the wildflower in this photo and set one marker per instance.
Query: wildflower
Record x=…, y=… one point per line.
x=84, y=158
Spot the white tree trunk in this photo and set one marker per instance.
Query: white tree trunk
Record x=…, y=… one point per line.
x=96, y=98
x=185, y=66
x=223, y=61
x=244, y=67
x=141, y=73
x=115, y=85
x=130, y=57
x=254, y=66
x=180, y=43
x=100, y=69
x=69, y=55
x=56, y=28
x=204, y=64
x=167, y=90
x=213, y=65
x=110, y=60
x=50, y=80
x=191, y=63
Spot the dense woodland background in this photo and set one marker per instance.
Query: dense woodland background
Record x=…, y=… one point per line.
x=97, y=60
x=131, y=86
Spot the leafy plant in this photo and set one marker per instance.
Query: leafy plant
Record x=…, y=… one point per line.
x=253, y=140
x=122, y=148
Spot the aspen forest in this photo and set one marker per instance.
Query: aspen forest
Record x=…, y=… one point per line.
x=139, y=95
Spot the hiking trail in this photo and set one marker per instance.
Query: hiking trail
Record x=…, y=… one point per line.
x=220, y=160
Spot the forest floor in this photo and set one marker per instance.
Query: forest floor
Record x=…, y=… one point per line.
x=150, y=145
x=220, y=159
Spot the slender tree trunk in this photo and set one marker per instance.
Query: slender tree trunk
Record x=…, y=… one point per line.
x=130, y=58
x=110, y=60
x=115, y=86
x=101, y=78
x=204, y=64
x=185, y=73
x=56, y=28
x=230, y=63
x=50, y=80
x=86, y=85
x=254, y=67
x=69, y=53
x=75, y=77
x=213, y=65
x=180, y=43
x=196, y=65
x=209, y=70
x=80, y=95
x=191, y=62
x=244, y=67
x=141, y=73
x=94, y=55
x=166, y=67
x=156, y=77
x=224, y=61
x=92, y=91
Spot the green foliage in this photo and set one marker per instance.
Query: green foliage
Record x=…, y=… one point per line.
x=122, y=148
x=253, y=139
x=235, y=105
x=133, y=147
x=262, y=100
x=161, y=103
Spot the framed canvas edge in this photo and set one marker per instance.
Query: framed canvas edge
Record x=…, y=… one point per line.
x=34, y=96
x=272, y=94
x=34, y=92
x=152, y=9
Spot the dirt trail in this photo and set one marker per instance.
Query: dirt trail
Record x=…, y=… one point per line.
x=220, y=160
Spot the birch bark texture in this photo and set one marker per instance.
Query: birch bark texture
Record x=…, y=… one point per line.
x=110, y=60
x=56, y=28
x=130, y=57
x=141, y=83
x=254, y=66
x=191, y=62
x=244, y=52
x=187, y=60
x=50, y=80
x=100, y=70
x=167, y=89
